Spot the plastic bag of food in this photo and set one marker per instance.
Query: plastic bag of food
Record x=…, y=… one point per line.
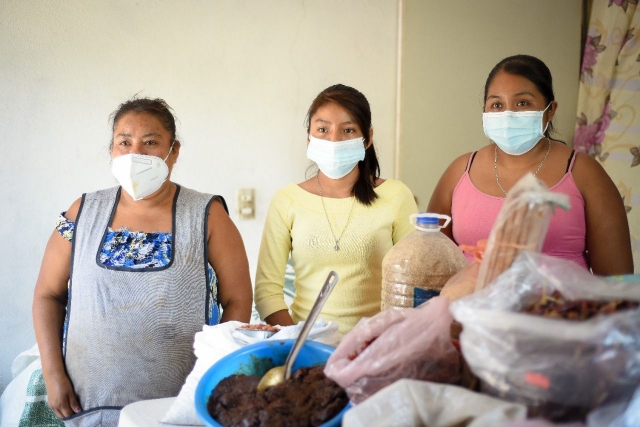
x=520, y=226
x=394, y=344
x=559, y=368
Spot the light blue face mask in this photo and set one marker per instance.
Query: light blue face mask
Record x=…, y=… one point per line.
x=514, y=132
x=335, y=159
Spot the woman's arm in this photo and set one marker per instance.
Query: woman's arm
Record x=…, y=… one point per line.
x=282, y=318
x=228, y=258
x=442, y=196
x=49, y=303
x=272, y=263
x=608, y=239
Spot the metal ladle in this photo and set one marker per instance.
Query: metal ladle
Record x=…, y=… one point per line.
x=280, y=374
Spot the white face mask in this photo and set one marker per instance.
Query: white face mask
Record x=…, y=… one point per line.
x=513, y=132
x=140, y=175
x=335, y=159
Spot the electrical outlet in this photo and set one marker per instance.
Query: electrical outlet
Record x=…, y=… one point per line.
x=245, y=198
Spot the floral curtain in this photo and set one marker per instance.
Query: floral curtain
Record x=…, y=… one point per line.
x=608, y=117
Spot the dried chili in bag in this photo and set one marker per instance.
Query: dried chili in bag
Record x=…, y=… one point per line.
x=521, y=225
x=559, y=368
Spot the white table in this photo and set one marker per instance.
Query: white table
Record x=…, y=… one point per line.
x=146, y=413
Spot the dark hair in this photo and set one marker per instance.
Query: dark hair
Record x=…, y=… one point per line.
x=157, y=107
x=532, y=69
x=358, y=108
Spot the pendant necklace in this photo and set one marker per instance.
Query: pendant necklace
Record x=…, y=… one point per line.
x=337, y=239
x=495, y=164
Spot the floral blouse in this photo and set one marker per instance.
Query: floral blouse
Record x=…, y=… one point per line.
x=137, y=249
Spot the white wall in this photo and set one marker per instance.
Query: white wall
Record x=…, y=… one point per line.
x=239, y=74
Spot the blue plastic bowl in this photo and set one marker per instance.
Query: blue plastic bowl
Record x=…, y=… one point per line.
x=256, y=359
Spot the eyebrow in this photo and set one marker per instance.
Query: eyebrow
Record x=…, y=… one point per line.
x=126, y=135
x=517, y=94
x=348, y=122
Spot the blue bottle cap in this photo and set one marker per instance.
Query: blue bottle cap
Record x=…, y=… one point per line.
x=427, y=220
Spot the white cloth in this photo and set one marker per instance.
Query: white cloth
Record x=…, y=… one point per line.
x=215, y=342
x=24, y=359
x=15, y=396
x=146, y=413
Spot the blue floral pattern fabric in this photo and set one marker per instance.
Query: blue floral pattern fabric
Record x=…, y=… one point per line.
x=136, y=249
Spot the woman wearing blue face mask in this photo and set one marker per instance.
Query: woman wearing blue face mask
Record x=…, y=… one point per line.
x=519, y=106
x=345, y=218
x=130, y=274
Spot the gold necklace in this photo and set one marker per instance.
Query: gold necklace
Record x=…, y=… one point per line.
x=337, y=239
x=495, y=164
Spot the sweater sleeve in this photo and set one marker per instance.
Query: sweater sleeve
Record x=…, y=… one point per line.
x=405, y=205
x=273, y=257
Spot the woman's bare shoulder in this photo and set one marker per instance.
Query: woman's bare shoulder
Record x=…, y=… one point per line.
x=72, y=213
x=457, y=167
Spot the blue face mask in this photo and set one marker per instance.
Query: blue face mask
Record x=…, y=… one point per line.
x=513, y=132
x=335, y=159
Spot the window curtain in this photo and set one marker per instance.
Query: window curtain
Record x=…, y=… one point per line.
x=608, y=116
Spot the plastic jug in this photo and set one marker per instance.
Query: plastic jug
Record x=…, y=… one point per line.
x=419, y=265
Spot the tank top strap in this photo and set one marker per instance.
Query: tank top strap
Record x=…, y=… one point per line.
x=572, y=159
x=471, y=157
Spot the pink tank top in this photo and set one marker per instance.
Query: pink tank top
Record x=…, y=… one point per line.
x=474, y=212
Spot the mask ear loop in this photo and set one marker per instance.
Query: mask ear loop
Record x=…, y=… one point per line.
x=169, y=153
x=547, y=126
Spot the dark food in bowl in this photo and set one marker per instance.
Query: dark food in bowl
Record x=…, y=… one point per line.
x=556, y=306
x=309, y=398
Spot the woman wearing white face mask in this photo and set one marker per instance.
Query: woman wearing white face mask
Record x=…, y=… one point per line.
x=345, y=218
x=130, y=274
x=518, y=113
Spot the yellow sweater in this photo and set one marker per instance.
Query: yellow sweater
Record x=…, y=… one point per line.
x=296, y=223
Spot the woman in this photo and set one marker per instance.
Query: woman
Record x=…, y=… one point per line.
x=519, y=106
x=139, y=284
x=345, y=218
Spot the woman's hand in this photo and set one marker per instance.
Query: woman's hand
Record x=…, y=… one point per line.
x=60, y=394
x=228, y=258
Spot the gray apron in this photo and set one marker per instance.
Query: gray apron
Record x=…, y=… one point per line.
x=130, y=331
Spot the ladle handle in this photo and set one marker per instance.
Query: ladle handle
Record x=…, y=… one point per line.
x=328, y=286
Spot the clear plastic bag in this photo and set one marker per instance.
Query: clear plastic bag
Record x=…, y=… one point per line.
x=520, y=226
x=559, y=368
x=621, y=414
x=398, y=343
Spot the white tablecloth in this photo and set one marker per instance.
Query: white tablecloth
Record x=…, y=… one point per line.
x=146, y=413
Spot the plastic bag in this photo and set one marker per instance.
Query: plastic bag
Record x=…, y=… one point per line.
x=394, y=344
x=520, y=226
x=621, y=414
x=560, y=368
x=421, y=403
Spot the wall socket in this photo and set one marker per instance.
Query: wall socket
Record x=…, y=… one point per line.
x=245, y=198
